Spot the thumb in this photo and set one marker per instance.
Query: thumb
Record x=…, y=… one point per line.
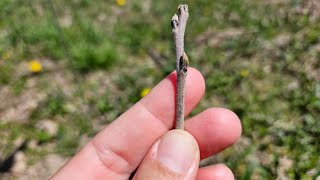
x=174, y=156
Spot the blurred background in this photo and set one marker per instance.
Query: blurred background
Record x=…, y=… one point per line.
x=68, y=68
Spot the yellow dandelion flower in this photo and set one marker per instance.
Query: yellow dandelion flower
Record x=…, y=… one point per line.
x=244, y=73
x=35, y=66
x=206, y=11
x=7, y=55
x=121, y=2
x=144, y=92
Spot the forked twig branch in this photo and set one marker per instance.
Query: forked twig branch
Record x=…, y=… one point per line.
x=179, y=22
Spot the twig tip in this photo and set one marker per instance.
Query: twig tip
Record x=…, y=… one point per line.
x=183, y=7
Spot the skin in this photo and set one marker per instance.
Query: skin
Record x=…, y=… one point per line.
x=134, y=139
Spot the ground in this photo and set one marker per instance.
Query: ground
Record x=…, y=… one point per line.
x=67, y=69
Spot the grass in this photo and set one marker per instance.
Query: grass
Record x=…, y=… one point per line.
x=266, y=70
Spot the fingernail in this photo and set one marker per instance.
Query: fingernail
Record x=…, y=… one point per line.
x=177, y=151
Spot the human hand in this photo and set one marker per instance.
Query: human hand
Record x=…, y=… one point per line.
x=141, y=138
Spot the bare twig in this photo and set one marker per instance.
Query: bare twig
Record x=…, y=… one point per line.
x=179, y=22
